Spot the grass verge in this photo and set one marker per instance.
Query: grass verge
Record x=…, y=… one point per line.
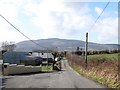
x=46, y=68
x=110, y=83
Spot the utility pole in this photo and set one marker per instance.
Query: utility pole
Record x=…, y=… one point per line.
x=47, y=58
x=86, y=48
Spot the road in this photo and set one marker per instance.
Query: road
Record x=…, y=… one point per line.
x=67, y=78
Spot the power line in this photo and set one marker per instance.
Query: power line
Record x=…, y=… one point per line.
x=100, y=14
x=19, y=31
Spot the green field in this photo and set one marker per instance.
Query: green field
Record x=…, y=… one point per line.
x=108, y=56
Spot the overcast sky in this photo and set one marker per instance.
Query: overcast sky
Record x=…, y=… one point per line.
x=41, y=19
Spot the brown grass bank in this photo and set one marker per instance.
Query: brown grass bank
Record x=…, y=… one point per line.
x=99, y=69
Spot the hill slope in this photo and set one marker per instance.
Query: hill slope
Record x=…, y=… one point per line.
x=61, y=44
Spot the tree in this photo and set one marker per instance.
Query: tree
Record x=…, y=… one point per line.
x=9, y=46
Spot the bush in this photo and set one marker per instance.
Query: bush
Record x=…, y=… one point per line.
x=97, y=52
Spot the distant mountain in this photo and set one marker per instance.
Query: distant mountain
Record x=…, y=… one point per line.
x=61, y=44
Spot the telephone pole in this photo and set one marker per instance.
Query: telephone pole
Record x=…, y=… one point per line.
x=86, y=48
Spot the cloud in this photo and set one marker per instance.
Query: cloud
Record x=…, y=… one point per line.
x=7, y=33
x=107, y=30
x=57, y=19
x=54, y=19
x=9, y=9
x=98, y=10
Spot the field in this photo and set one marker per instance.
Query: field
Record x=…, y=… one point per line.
x=108, y=56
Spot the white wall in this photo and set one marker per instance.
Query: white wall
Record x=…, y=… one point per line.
x=19, y=69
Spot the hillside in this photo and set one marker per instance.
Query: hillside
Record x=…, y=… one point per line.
x=62, y=44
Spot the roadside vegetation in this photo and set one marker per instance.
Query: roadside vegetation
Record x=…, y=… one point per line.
x=102, y=68
x=46, y=68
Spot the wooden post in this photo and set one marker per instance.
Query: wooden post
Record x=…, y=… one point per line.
x=86, y=48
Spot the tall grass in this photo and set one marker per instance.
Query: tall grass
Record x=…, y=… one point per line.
x=102, y=69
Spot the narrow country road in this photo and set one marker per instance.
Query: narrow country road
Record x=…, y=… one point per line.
x=67, y=78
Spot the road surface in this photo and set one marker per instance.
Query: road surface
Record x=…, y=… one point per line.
x=67, y=78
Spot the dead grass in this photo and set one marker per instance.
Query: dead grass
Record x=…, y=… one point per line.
x=100, y=69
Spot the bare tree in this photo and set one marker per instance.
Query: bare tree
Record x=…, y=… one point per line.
x=9, y=46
